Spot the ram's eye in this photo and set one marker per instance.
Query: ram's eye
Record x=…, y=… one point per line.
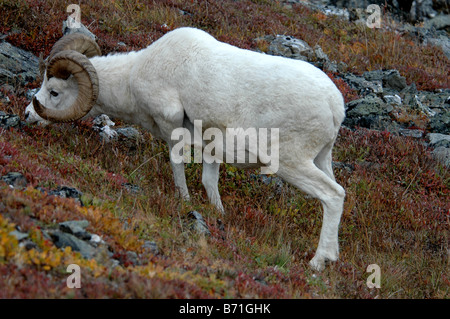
x=55, y=94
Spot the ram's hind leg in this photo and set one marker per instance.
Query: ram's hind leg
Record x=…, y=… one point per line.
x=313, y=181
x=324, y=161
x=179, y=177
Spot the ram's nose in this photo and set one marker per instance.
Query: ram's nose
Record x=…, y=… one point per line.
x=30, y=115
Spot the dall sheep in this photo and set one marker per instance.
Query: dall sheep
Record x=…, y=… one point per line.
x=188, y=75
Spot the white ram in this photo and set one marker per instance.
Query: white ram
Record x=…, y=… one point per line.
x=188, y=75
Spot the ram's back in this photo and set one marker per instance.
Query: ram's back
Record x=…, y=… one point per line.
x=225, y=86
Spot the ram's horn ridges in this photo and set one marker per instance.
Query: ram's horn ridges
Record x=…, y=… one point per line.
x=77, y=42
x=62, y=65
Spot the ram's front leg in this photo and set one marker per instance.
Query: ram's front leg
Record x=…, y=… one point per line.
x=210, y=180
x=169, y=121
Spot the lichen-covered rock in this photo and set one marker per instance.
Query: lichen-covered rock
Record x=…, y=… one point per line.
x=197, y=223
x=290, y=47
x=15, y=179
x=67, y=192
x=16, y=65
x=9, y=120
x=77, y=228
x=437, y=140
x=442, y=155
x=62, y=240
x=440, y=123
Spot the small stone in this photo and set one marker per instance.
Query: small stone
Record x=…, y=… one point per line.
x=198, y=224
x=28, y=244
x=9, y=120
x=103, y=120
x=67, y=192
x=128, y=132
x=20, y=236
x=442, y=155
x=16, y=180
x=134, y=189
x=411, y=133
x=290, y=47
x=393, y=99
x=77, y=228
x=151, y=246
x=96, y=239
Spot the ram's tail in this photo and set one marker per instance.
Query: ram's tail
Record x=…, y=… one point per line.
x=338, y=109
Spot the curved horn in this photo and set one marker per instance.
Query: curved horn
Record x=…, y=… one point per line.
x=63, y=65
x=78, y=42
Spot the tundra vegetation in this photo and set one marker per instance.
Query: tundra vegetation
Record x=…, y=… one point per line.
x=396, y=212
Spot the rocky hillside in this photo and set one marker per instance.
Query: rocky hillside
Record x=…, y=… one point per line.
x=99, y=193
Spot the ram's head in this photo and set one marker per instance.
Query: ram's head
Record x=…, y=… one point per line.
x=70, y=84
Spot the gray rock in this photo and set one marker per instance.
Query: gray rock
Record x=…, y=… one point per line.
x=20, y=236
x=438, y=140
x=67, y=192
x=439, y=22
x=440, y=123
x=134, y=189
x=269, y=180
x=421, y=9
x=28, y=244
x=432, y=104
x=442, y=41
x=129, y=133
x=442, y=155
x=15, y=179
x=369, y=105
x=9, y=120
x=391, y=79
x=290, y=47
x=77, y=228
x=108, y=134
x=96, y=240
x=16, y=65
x=393, y=99
x=151, y=246
x=102, y=120
x=320, y=55
x=370, y=112
x=411, y=133
x=362, y=85
x=62, y=240
x=69, y=28
x=132, y=257
x=198, y=223
x=417, y=104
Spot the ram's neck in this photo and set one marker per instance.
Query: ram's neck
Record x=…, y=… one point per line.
x=115, y=99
